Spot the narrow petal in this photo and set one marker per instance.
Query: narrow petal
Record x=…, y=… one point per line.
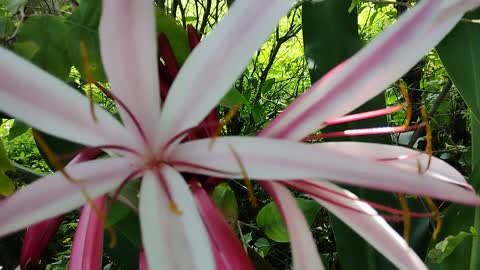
x=54, y=195
x=127, y=39
x=34, y=96
x=367, y=73
x=36, y=240
x=172, y=240
x=371, y=226
x=218, y=60
x=278, y=159
x=229, y=253
x=304, y=249
x=87, y=249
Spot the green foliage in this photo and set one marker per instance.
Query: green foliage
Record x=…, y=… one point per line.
x=444, y=248
x=42, y=40
x=270, y=220
x=175, y=33
x=83, y=27
x=6, y=185
x=224, y=198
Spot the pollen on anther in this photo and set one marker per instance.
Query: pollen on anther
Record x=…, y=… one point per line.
x=174, y=209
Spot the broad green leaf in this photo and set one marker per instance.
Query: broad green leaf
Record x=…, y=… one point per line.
x=83, y=27
x=444, y=248
x=270, y=220
x=460, y=54
x=233, y=98
x=18, y=128
x=330, y=34
x=6, y=185
x=177, y=36
x=459, y=218
x=224, y=197
x=42, y=40
x=125, y=253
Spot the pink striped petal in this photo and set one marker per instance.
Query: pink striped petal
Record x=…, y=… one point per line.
x=129, y=53
x=371, y=226
x=367, y=73
x=171, y=240
x=304, y=249
x=87, y=249
x=217, y=61
x=54, y=195
x=280, y=159
x=228, y=251
x=34, y=96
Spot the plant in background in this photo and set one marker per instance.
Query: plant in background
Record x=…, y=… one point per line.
x=150, y=143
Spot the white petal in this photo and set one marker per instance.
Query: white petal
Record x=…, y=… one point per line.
x=367, y=73
x=54, y=195
x=129, y=53
x=371, y=226
x=172, y=241
x=218, y=60
x=304, y=249
x=277, y=159
x=36, y=97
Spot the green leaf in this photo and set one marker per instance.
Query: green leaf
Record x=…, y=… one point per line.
x=127, y=231
x=460, y=54
x=60, y=147
x=263, y=246
x=177, y=36
x=14, y=5
x=42, y=40
x=444, y=248
x=6, y=26
x=83, y=27
x=6, y=185
x=233, y=98
x=18, y=128
x=224, y=197
x=270, y=220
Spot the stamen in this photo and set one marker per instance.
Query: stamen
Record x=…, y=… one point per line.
x=231, y=113
x=364, y=115
x=88, y=75
x=117, y=191
x=97, y=148
x=103, y=219
x=428, y=137
x=248, y=182
x=408, y=116
x=363, y=132
x=50, y=155
x=124, y=107
x=438, y=217
x=171, y=205
x=406, y=216
x=377, y=206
